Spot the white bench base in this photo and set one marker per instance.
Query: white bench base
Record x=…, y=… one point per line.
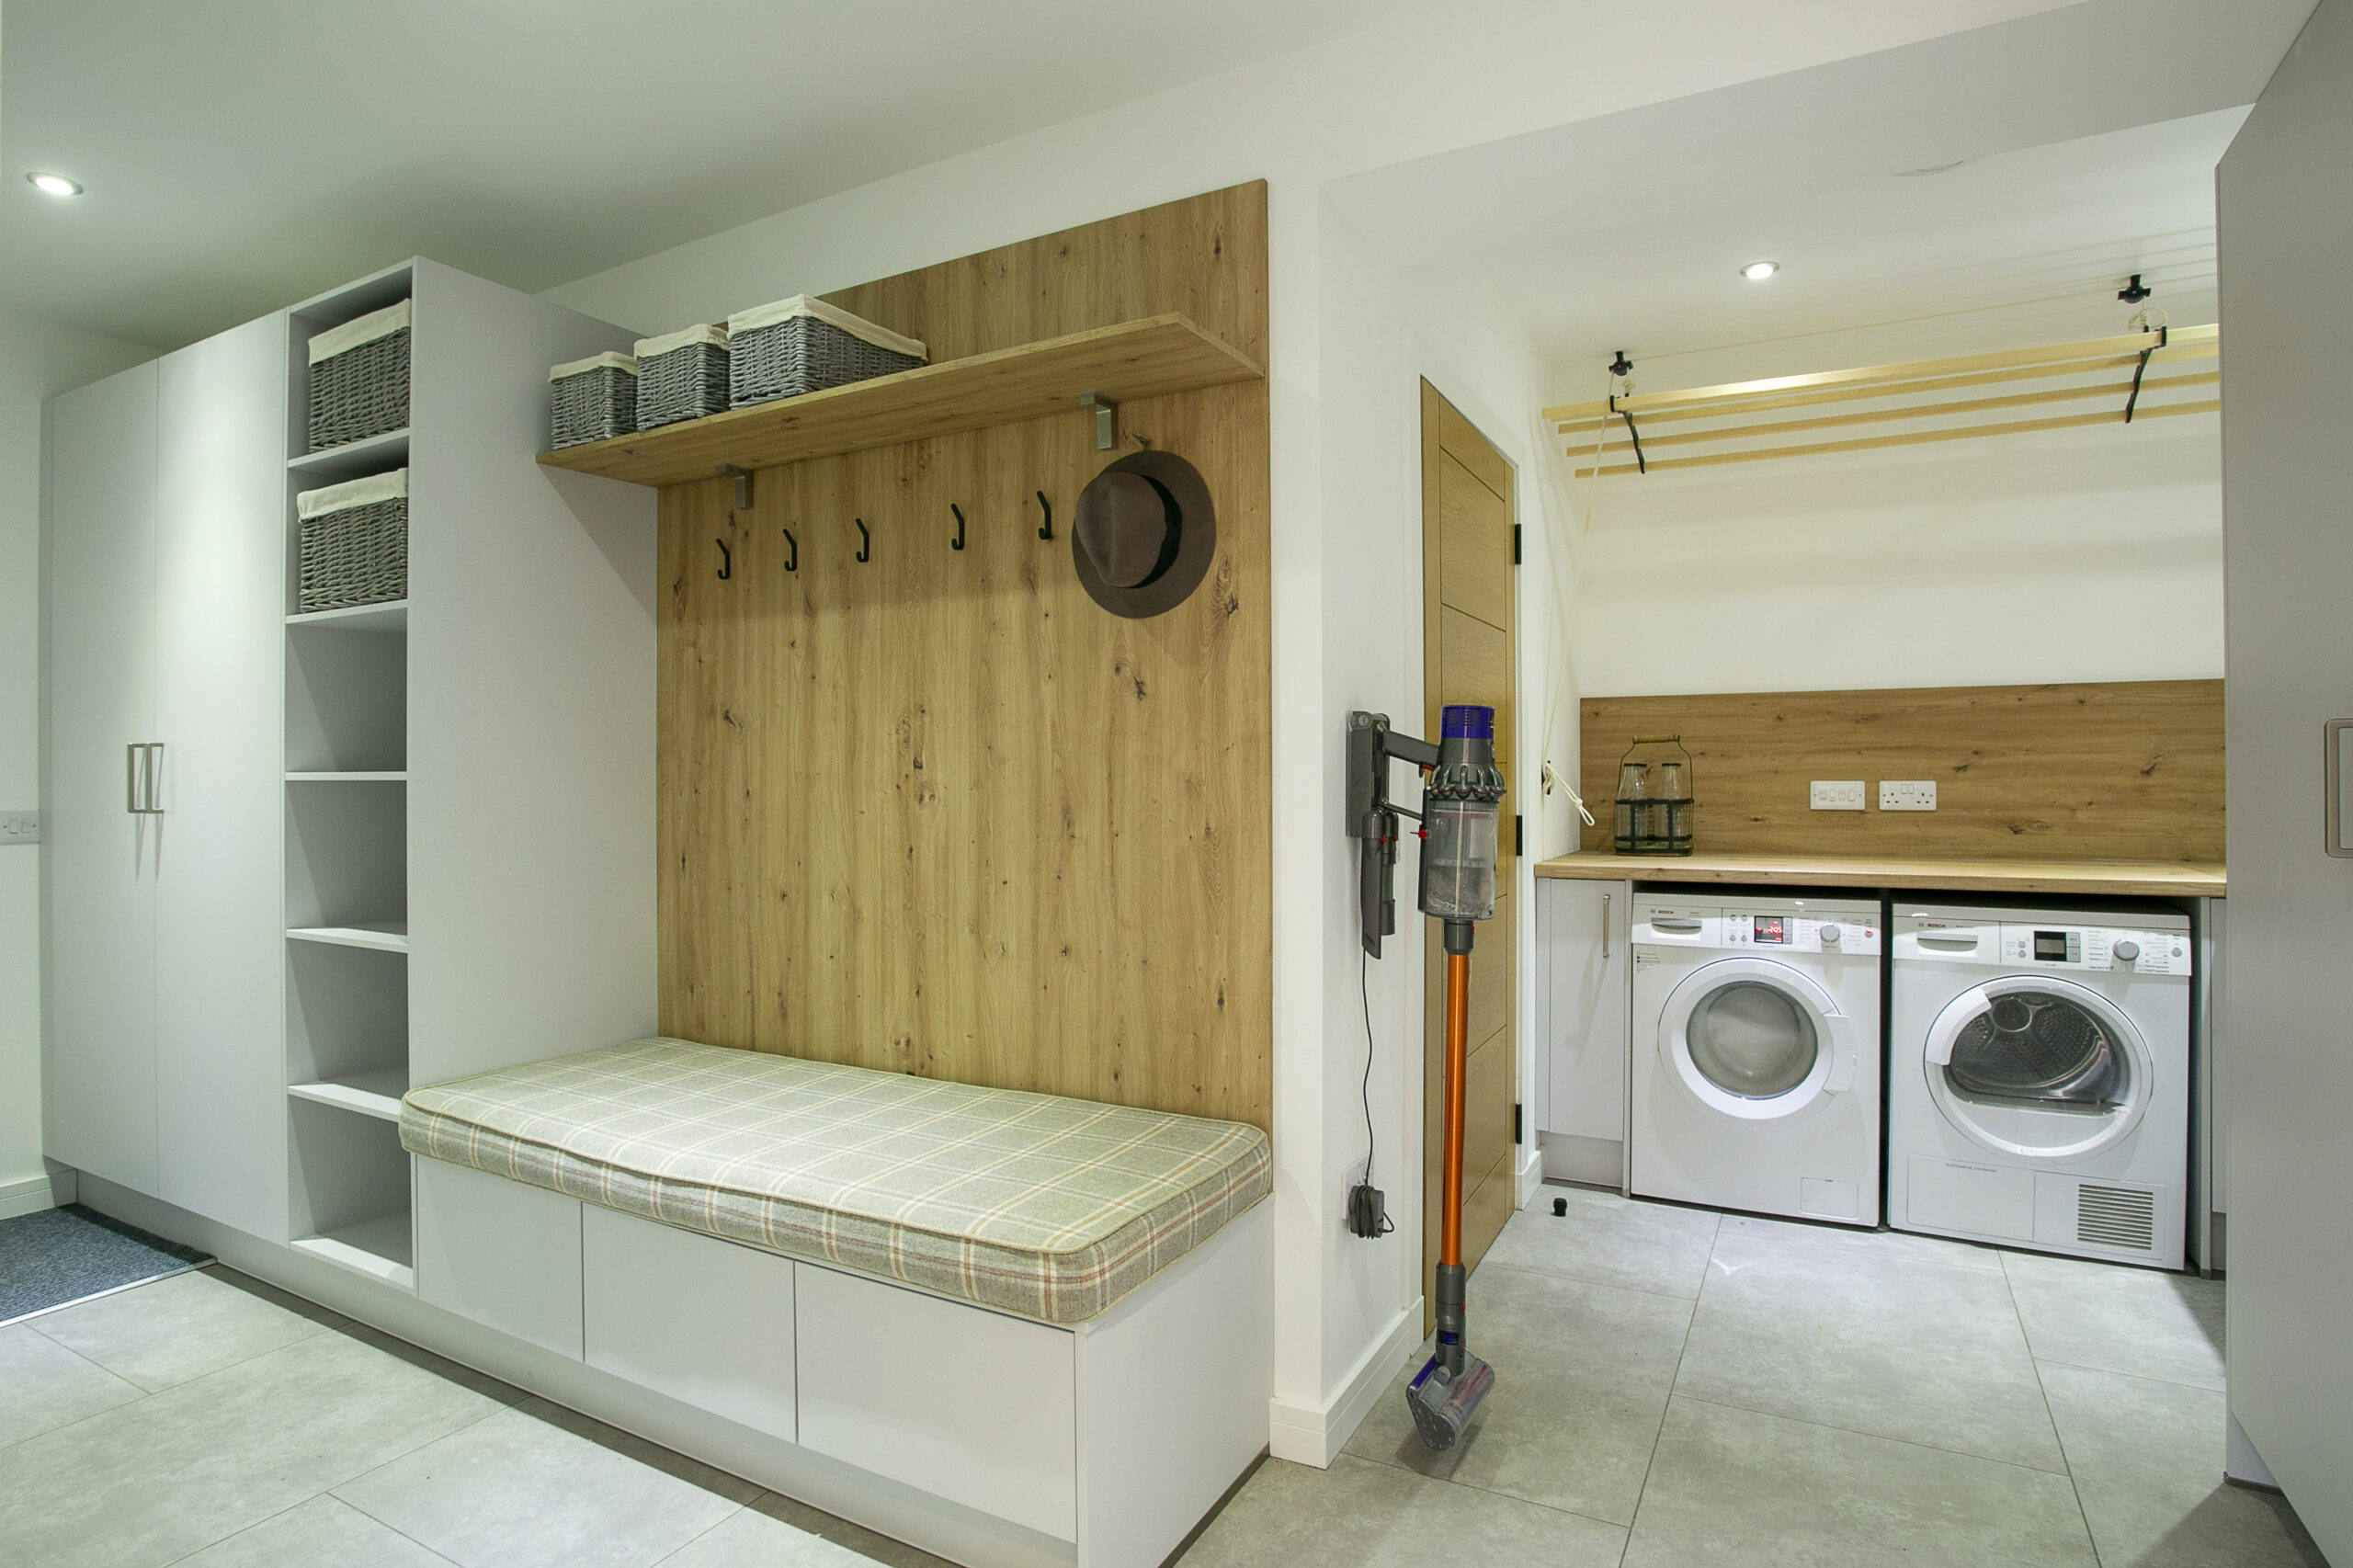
x=698, y=1345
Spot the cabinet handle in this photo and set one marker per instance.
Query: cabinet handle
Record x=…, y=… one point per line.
x=130, y=778
x=154, y=778
x=1605, y=927
x=2331, y=780
x=143, y=766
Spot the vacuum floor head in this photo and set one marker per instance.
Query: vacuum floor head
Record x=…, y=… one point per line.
x=1443, y=1405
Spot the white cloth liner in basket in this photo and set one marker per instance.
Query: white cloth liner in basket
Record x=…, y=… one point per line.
x=621, y=362
x=365, y=329
x=392, y=486
x=831, y=315
x=714, y=334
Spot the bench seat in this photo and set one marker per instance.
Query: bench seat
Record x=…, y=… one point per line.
x=1049, y=1208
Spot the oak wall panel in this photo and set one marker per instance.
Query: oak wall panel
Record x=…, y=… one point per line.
x=938, y=812
x=2125, y=770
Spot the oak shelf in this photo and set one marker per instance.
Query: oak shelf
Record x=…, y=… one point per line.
x=1151, y=357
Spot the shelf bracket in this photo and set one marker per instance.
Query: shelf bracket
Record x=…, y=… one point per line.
x=1106, y=412
x=743, y=478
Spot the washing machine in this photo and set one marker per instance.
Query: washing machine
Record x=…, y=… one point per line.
x=1755, y=1065
x=2039, y=1087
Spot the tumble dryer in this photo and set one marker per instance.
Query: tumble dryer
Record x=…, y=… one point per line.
x=1756, y=1054
x=2039, y=1088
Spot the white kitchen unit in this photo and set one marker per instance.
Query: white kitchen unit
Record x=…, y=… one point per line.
x=1585, y=976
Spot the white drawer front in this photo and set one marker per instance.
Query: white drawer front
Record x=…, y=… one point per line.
x=502, y=1253
x=963, y=1402
x=702, y=1320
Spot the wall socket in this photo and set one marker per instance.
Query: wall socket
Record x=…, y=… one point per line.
x=1907, y=794
x=1835, y=795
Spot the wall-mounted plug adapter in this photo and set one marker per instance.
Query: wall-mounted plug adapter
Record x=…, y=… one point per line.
x=1368, y=1211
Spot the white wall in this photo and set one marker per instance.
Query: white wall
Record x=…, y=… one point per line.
x=37, y=361
x=1481, y=71
x=2075, y=555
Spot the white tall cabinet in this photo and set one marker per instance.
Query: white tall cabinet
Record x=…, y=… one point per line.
x=1585, y=987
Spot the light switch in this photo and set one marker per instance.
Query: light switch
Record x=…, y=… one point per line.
x=19, y=827
x=1907, y=794
x=1835, y=795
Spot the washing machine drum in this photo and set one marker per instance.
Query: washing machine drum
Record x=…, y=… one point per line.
x=1755, y=1040
x=2037, y=1067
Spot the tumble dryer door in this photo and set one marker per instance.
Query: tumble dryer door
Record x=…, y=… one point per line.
x=1756, y=1041
x=2038, y=1068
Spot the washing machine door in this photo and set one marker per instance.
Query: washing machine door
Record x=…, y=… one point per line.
x=1754, y=1040
x=2036, y=1067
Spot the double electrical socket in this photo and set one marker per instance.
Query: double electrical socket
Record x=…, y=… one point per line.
x=1894, y=795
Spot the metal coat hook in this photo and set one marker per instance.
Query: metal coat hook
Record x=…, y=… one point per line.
x=865, y=541
x=1046, y=529
x=959, y=542
x=726, y=559
x=792, y=550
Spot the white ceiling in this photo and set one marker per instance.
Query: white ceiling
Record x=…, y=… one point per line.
x=240, y=153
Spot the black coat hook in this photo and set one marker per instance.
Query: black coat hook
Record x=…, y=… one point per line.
x=865, y=541
x=1046, y=529
x=958, y=542
x=726, y=561
x=792, y=550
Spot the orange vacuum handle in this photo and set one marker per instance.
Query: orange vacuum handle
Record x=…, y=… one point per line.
x=1458, y=1026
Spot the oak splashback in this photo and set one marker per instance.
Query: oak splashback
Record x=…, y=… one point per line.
x=2128, y=770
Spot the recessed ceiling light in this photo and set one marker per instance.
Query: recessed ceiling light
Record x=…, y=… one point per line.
x=55, y=185
x=1758, y=271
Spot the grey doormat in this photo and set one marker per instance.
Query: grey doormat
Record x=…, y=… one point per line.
x=62, y=1255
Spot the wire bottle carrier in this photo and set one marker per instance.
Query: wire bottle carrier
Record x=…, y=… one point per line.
x=1655, y=816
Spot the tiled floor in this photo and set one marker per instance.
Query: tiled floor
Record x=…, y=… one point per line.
x=1675, y=1388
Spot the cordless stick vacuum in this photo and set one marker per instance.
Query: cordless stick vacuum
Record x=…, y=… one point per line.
x=1461, y=812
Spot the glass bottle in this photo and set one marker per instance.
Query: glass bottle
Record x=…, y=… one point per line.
x=1633, y=808
x=1672, y=810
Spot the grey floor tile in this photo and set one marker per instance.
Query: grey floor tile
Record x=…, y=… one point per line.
x=749, y=1538
x=1870, y=1333
x=1359, y=1514
x=1736, y=1489
x=175, y=1329
x=319, y=1533
x=516, y=1492
x=150, y=1481
x=44, y=1386
x=1582, y=1377
x=2140, y=1322
x=629, y=1445
x=863, y=1544
x=1611, y=1240
x=2147, y=1458
x=1889, y=1248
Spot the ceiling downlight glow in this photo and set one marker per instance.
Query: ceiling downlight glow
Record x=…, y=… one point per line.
x=1758, y=271
x=55, y=185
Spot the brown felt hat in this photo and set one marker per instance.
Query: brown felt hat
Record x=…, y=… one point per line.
x=1144, y=535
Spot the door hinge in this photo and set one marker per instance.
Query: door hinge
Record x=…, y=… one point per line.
x=1516, y=1124
x=1519, y=834
x=1515, y=544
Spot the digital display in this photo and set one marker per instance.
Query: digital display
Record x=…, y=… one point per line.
x=1772, y=928
x=2051, y=946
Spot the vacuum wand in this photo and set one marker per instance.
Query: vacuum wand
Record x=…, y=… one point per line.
x=1462, y=814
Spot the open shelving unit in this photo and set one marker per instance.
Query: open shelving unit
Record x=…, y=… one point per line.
x=346, y=876
x=1153, y=358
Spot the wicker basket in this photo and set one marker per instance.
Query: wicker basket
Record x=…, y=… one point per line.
x=590, y=400
x=803, y=344
x=354, y=542
x=681, y=376
x=359, y=378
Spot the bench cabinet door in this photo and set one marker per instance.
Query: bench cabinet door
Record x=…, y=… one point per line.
x=700, y=1319
x=502, y=1253
x=963, y=1402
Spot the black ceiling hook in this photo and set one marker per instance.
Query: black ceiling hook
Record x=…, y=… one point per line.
x=865, y=541
x=1046, y=529
x=2132, y=293
x=726, y=561
x=792, y=551
x=959, y=542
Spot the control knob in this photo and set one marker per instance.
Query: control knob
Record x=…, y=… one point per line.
x=1830, y=932
x=2128, y=951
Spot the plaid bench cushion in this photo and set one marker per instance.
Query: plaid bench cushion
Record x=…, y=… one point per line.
x=1034, y=1204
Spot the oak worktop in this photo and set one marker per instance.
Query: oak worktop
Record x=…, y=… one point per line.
x=2089, y=878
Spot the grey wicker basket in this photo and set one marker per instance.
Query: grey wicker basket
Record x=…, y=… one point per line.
x=354, y=544
x=682, y=376
x=359, y=378
x=803, y=344
x=592, y=399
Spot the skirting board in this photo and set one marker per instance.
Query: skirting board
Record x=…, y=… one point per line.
x=1532, y=1177
x=1304, y=1435
x=900, y=1512
x=34, y=1194
x=2242, y=1466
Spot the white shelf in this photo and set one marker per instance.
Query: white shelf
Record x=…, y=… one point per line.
x=383, y=936
x=390, y=616
x=346, y=778
x=377, y=454
x=369, y=1094
x=380, y=1248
